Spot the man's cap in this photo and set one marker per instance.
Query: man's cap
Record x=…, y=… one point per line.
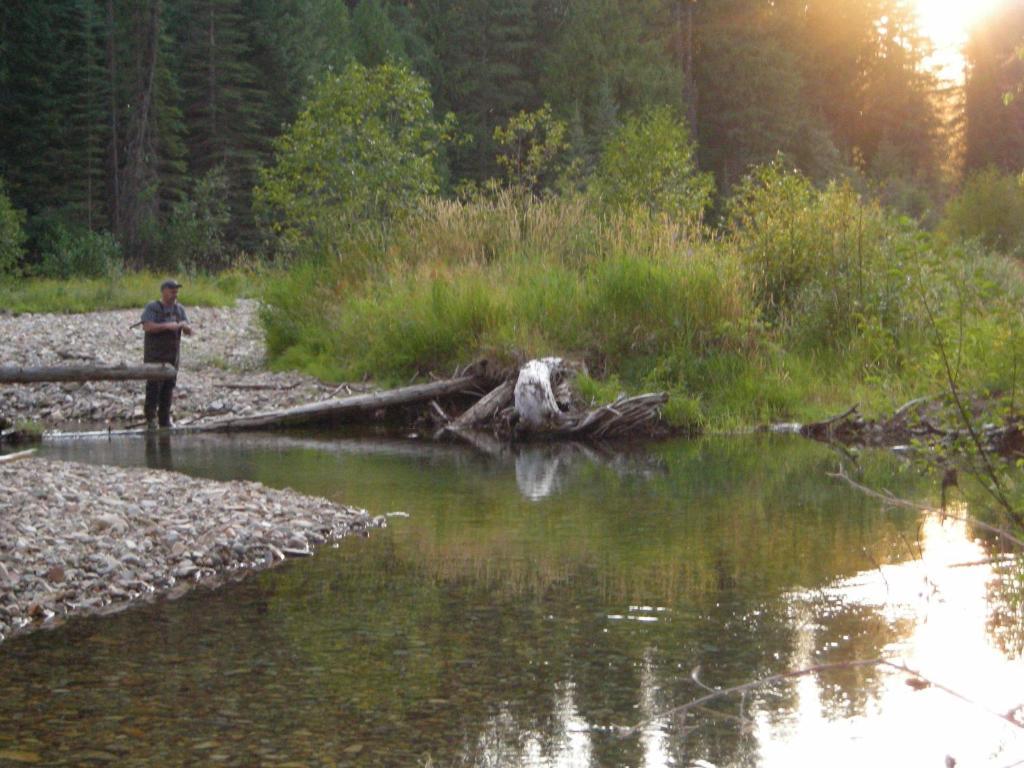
x=170, y=284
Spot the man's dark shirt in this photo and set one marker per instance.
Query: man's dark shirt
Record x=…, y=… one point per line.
x=162, y=347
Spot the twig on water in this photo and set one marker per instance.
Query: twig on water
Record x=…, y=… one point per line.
x=896, y=501
x=913, y=674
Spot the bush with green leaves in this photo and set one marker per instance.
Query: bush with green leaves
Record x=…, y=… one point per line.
x=12, y=234
x=71, y=251
x=530, y=147
x=990, y=208
x=828, y=265
x=364, y=149
x=194, y=237
x=650, y=162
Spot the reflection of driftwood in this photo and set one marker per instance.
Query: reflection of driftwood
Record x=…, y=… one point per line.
x=345, y=407
x=16, y=374
x=915, y=679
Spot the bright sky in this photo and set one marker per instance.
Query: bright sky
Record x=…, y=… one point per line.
x=947, y=22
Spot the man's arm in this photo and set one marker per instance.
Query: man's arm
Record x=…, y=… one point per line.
x=186, y=328
x=150, y=327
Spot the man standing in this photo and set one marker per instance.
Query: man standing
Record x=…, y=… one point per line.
x=163, y=321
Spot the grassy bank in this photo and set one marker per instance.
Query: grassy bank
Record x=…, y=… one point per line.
x=123, y=291
x=809, y=300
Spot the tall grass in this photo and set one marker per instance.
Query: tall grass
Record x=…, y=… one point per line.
x=122, y=291
x=809, y=299
x=513, y=278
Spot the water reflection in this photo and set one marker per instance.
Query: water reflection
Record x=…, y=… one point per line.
x=938, y=603
x=523, y=624
x=159, y=454
x=545, y=469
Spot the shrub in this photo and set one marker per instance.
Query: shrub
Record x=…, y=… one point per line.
x=649, y=162
x=12, y=234
x=70, y=251
x=194, y=235
x=991, y=209
x=530, y=147
x=828, y=266
x=364, y=150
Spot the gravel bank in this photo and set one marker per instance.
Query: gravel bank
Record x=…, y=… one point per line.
x=78, y=538
x=221, y=369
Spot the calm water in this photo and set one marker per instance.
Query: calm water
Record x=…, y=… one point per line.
x=531, y=606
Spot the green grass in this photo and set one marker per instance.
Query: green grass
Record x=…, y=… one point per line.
x=129, y=290
x=811, y=301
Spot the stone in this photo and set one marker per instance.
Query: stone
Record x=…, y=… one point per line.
x=59, y=557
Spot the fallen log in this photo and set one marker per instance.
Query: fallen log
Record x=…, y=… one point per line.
x=826, y=430
x=486, y=408
x=326, y=410
x=627, y=415
x=16, y=456
x=16, y=374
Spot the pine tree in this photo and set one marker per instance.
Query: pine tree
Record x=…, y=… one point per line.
x=375, y=38
x=994, y=113
x=489, y=60
x=151, y=174
x=84, y=90
x=864, y=66
x=612, y=57
x=32, y=114
x=750, y=106
x=296, y=43
x=224, y=106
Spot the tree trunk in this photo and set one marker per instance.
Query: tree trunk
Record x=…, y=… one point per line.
x=15, y=374
x=486, y=408
x=543, y=405
x=114, y=177
x=535, y=401
x=17, y=456
x=348, y=406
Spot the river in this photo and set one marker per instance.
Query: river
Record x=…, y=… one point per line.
x=546, y=606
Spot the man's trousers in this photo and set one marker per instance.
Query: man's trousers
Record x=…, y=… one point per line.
x=158, y=400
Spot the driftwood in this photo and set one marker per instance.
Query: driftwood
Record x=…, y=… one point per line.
x=540, y=403
x=544, y=406
x=626, y=416
x=16, y=456
x=486, y=408
x=327, y=410
x=907, y=424
x=16, y=374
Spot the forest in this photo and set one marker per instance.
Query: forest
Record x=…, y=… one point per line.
x=759, y=200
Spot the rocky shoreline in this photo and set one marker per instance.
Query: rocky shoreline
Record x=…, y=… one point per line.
x=78, y=539
x=222, y=369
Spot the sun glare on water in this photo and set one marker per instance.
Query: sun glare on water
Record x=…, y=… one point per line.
x=947, y=23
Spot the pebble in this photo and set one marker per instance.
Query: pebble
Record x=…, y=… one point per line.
x=59, y=558
x=221, y=363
